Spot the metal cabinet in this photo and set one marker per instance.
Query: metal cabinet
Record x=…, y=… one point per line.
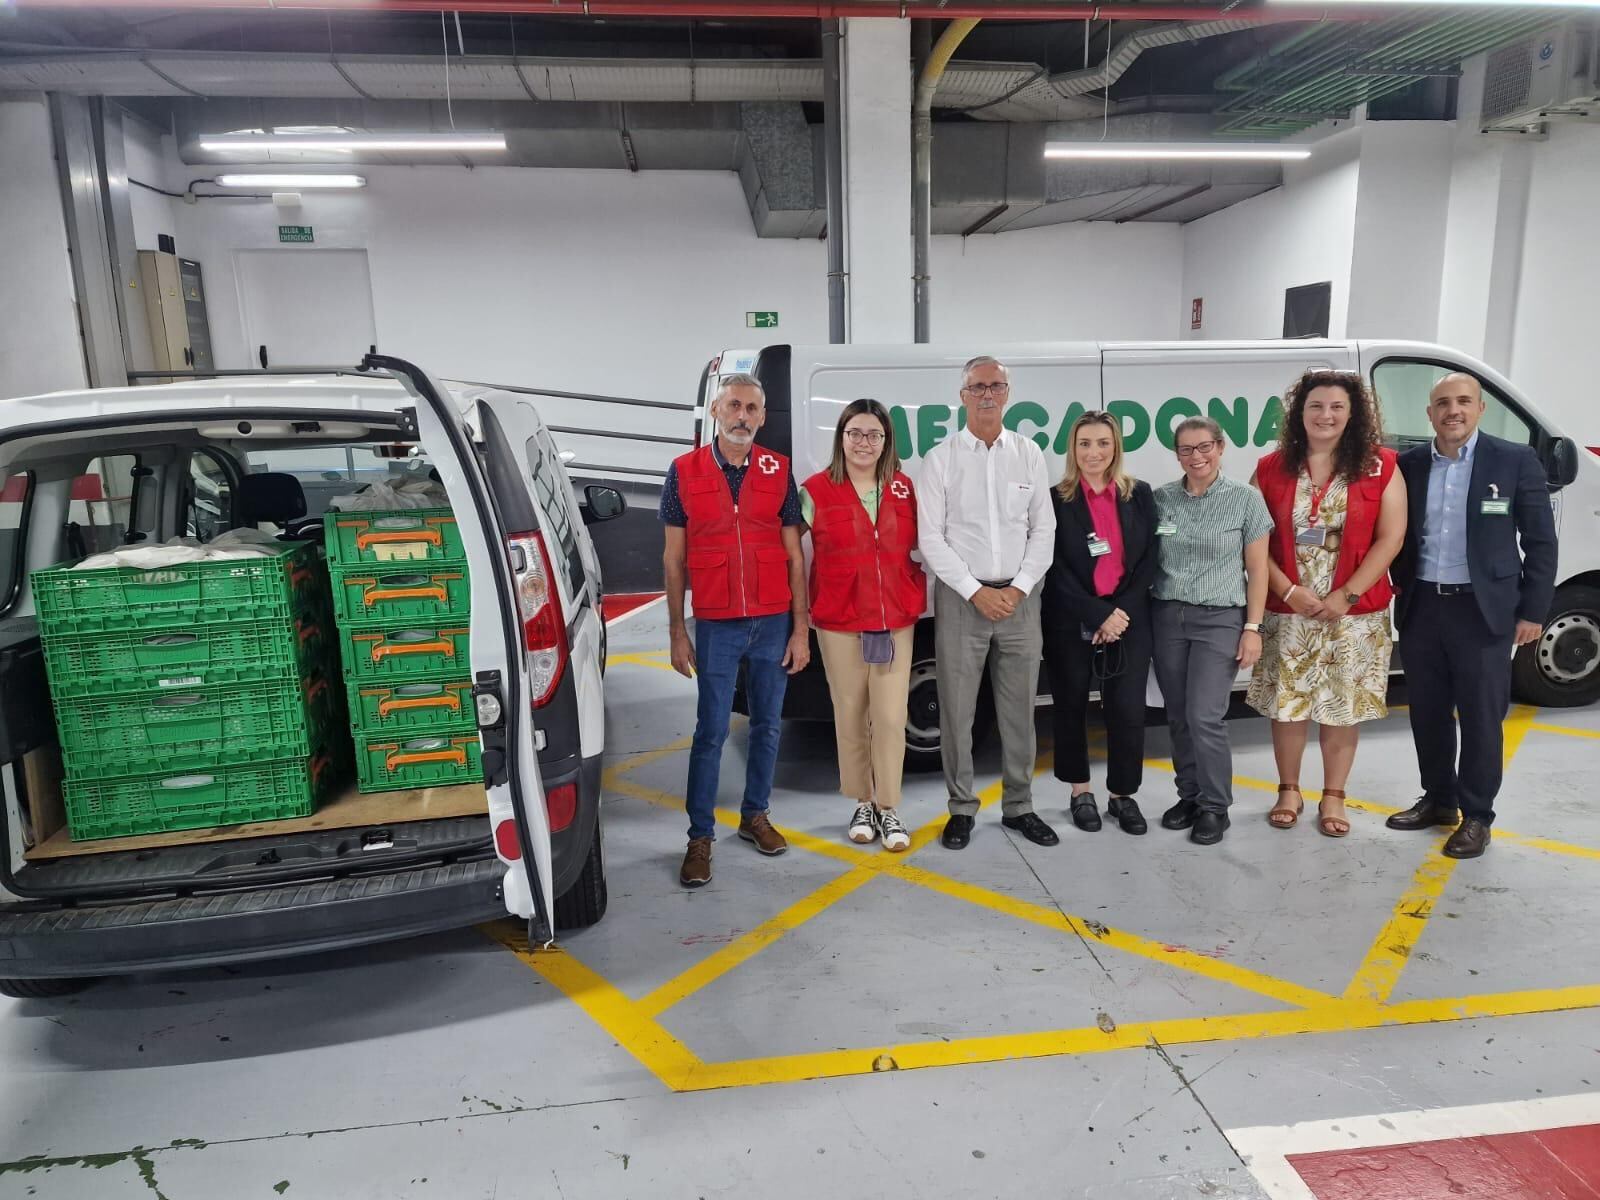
x=175, y=303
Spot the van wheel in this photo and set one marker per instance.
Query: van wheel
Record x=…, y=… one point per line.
x=41, y=989
x=584, y=903
x=1562, y=668
x=922, y=716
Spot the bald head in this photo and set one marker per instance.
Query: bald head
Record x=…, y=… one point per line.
x=1455, y=406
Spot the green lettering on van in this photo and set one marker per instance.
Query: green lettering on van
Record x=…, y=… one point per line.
x=902, y=431
x=931, y=420
x=1179, y=408
x=1135, y=421
x=1235, y=422
x=1271, y=422
x=1064, y=433
x=1027, y=410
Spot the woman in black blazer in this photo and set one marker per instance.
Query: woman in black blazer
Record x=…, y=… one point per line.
x=1096, y=617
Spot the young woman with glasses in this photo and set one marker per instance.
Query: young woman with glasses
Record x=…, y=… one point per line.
x=1339, y=518
x=866, y=596
x=1097, y=633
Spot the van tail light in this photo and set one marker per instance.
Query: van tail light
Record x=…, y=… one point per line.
x=561, y=802
x=507, y=842
x=544, y=632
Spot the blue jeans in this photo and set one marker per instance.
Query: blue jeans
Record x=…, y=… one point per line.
x=719, y=648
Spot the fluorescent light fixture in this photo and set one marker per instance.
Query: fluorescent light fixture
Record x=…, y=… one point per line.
x=290, y=183
x=1235, y=152
x=223, y=143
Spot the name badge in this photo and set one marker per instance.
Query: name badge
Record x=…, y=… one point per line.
x=1098, y=546
x=1496, y=507
x=1166, y=529
x=1313, y=535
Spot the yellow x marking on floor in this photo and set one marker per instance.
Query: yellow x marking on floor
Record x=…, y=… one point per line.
x=1364, y=1004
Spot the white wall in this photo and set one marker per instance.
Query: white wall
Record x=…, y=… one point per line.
x=40, y=350
x=150, y=160
x=1402, y=197
x=1241, y=259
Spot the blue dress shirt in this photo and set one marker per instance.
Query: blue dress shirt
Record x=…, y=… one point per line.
x=1443, y=554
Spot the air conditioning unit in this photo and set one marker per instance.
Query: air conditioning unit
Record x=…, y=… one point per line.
x=1552, y=76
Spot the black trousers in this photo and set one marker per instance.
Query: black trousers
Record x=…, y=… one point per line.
x=1457, y=673
x=1075, y=667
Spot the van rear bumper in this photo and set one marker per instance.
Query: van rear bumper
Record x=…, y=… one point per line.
x=57, y=942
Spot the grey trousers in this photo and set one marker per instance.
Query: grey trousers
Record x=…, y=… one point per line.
x=963, y=641
x=1195, y=665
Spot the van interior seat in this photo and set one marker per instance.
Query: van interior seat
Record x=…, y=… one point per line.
x=276, y=497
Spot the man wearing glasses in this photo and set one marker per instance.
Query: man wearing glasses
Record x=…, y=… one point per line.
x=987, y=530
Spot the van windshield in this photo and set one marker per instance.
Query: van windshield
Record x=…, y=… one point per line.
x=327, y=472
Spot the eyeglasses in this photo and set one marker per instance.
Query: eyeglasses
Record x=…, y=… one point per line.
x=1201, y=448
x=986, y=389
x=869, y=437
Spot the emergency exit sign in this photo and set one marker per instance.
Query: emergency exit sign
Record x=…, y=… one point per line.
x=294, y=233
x=761, y=320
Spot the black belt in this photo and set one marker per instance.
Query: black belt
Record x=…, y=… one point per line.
x=1445, y=589
x=994, y=583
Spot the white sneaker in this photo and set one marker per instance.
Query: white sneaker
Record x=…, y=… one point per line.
x=895, y=836
x=863, y=824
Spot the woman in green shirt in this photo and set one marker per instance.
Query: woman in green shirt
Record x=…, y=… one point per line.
x=1210, y=593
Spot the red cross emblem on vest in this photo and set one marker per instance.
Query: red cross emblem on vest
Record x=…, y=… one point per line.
x=768, y=465
x=899, y=488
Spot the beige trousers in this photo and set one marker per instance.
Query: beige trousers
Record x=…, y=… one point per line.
x=869, y=715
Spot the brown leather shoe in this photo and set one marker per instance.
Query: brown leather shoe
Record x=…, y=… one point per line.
x=1424, y=814
x=696, y=871
x=1470, y=841
x=755, y=828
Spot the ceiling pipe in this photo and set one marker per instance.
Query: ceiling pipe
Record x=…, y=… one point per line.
x=922, y=168
x=1039, y=10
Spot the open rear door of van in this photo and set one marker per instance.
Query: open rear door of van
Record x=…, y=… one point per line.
x=500, y=674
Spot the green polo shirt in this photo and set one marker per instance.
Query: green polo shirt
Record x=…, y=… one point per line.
x=1202, y=540
x=808, y=506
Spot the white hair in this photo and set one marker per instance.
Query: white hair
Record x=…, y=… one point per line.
x=740, y=379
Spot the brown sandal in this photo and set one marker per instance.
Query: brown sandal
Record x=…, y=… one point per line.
x=1286, y=818
x=1334, y=827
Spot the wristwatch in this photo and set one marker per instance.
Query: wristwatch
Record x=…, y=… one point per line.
x=1252, y=626
x=1351, y=597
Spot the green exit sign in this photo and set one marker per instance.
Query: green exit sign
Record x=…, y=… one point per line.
x=302, y=233
x=761, y=320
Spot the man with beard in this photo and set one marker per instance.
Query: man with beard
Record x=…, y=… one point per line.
x=733, y=524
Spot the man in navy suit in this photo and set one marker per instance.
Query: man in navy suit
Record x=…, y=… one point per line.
x=1467, y=597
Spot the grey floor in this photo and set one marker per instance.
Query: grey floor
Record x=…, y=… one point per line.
x=452, y=1066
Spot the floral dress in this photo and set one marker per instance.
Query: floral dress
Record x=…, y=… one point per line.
x=1330, y=672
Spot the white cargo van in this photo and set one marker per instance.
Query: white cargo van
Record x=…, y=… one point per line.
x=1150, y=387
x=191, y=458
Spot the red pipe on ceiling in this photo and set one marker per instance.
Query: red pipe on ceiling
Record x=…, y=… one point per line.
x=1017, y=11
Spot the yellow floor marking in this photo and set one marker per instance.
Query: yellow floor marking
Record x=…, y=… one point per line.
x=641, y=660
x=1379, y=971
x=1565, y=730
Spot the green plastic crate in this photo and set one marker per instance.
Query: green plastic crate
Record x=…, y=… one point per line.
x=398, y=709
x=404, y=592
x=389, y=539
x=207, y=727
x=70, y=602
x=136, y=804
x=404, y=652
x=120, y=662
x=386, y=763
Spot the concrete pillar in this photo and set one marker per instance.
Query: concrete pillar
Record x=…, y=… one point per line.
x=877, y=84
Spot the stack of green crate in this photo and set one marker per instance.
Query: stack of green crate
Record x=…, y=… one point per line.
x=192, y=695
x=403, y=602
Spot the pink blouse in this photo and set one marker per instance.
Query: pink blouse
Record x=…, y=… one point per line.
x=1108, y=568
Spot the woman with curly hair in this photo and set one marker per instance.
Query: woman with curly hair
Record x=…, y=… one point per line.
x=1339, y=518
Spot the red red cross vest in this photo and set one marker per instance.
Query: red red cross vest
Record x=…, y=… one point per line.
x=862, y=576
x=737, y=564
x=1360, y=526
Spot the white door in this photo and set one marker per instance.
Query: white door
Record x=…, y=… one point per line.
x=306, y=307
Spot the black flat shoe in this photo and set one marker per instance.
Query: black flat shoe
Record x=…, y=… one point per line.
x=1209, y=827
x=1085, y=814
x=1181, y=815
x=1031, y=827
x=1124, y=810
x=957, y=832
x=1424, y=814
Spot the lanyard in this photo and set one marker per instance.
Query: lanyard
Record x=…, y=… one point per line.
x=1317, y=493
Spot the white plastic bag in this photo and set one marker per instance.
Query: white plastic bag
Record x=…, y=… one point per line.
x=384, y=496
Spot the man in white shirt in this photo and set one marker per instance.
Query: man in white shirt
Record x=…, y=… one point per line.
x=986, y=528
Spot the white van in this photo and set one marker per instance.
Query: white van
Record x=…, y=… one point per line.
x=1152, y=386
x=201, y=456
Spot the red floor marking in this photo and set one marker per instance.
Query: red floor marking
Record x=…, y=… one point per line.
x=616, y=605
x=1549, y=1164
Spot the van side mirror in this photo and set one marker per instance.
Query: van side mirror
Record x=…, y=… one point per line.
x=1561, y=461
x=601, y=503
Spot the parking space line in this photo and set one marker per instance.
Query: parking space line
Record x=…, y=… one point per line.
x=1379, y=972
x=1565, y=730
x=646, y=659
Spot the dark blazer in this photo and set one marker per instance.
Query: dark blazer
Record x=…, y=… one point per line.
x=1509, y=586
x=1069, y=597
